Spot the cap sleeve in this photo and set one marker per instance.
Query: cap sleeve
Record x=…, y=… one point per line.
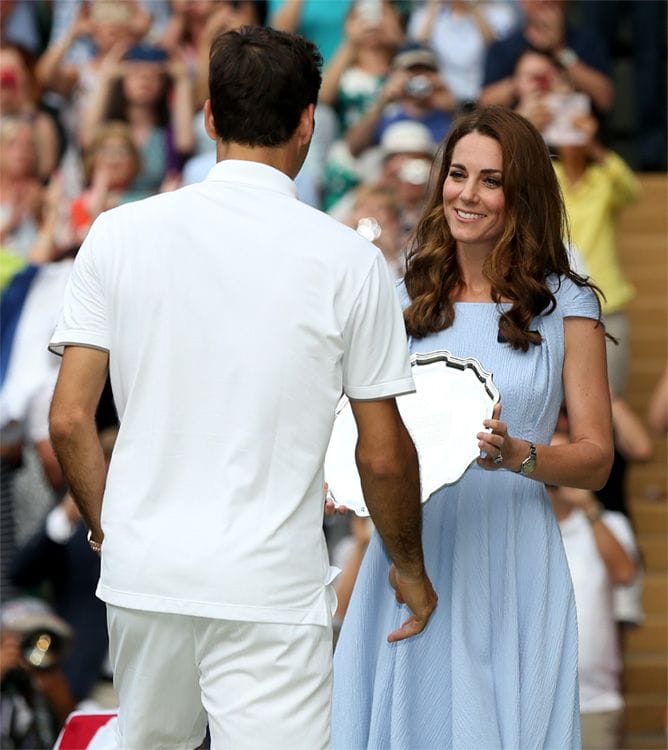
x=402, y=293
x=575, y=301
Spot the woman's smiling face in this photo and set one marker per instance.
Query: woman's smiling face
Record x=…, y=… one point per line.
x=473, y=199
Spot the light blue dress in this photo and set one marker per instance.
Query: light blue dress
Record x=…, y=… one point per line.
x=497, y=665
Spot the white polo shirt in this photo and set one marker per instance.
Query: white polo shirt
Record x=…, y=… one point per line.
x=234, y=317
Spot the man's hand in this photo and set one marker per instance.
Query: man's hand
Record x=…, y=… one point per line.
x=419, y=596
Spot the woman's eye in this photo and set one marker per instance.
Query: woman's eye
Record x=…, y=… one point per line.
x=456, y=175
x=493, y=182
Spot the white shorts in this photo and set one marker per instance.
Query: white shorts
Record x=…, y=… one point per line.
x=259, y=685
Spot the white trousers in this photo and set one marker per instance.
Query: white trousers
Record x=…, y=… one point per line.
x=259, y=685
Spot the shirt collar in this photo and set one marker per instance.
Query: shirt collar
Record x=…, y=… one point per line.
x=253, y=173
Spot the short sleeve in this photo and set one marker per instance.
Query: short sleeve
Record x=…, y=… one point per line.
x=402, y=294
x=375, y=360
x=83, y=319
x=620, y=528
x=575, y=301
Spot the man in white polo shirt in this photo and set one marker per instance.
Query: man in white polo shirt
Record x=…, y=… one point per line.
x=231, y=317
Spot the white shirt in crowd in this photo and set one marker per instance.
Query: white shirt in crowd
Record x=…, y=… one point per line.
x=599, y=659
x=460, y=46
x=31, y=375
x=234, y=316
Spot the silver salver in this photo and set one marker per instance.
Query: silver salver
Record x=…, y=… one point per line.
x=453, y=396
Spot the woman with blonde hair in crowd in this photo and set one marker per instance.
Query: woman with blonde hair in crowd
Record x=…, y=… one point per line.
x=489, y=277
x=152, y=93
x=21, y=190
x=19, y=98
x=111, y=164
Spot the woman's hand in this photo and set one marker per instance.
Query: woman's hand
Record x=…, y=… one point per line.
x=356, y=28
x=177, y=67
x=112, y=66
x=82, y=24
x=491, y=443
x=331, y=508
x=498, y=450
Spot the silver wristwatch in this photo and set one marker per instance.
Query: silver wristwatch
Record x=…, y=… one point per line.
x=528, y=466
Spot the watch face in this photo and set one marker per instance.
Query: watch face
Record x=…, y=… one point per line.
x=528, y=465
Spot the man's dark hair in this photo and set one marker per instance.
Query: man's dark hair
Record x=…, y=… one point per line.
x=260, y=82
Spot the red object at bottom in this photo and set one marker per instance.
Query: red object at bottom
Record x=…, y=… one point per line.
x=80, y=728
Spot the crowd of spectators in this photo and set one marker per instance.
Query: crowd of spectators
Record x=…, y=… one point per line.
x=101, y=104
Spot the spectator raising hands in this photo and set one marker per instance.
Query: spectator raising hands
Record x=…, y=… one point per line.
x=580, y=52
x=413, y=91
x=152, y=93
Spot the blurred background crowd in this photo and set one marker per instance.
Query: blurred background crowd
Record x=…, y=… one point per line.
x=101, y=104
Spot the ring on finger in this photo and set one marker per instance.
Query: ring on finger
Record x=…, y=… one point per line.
x=498, y=460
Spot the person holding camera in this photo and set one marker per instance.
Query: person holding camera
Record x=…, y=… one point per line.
x=460, y=31
x=34, y=695
x=597, y=185
x=414, y=91
x=57, y=559
x=363, y=60
x=578, y=51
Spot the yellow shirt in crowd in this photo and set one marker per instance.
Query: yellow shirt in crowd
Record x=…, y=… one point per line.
x=593, y=204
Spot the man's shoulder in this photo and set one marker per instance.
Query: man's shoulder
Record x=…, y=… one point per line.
x=314, y=232
x=330, y=233
x=160, y=202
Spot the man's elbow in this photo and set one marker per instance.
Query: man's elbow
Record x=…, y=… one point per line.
x=387, y=464
x=65, y=424
x=379, y=466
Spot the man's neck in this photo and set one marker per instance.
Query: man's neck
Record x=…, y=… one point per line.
x=281, y=158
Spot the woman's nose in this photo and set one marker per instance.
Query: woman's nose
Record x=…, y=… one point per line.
x=469, y=192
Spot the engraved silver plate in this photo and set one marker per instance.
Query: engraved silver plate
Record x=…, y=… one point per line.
x=453, y=396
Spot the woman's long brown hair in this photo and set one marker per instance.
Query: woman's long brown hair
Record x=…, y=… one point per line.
x=530, y=249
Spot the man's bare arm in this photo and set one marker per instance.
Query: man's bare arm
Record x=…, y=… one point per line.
x=388, y=467
x=83, y=373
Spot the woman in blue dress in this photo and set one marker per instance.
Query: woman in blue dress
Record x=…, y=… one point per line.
x=489, y=277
